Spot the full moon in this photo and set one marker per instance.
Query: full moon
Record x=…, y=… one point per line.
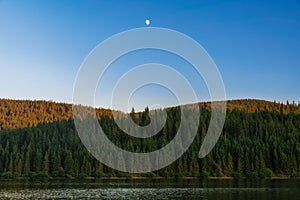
x=147, y=22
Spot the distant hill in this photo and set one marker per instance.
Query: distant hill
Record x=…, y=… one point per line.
x=259, y=139
x=27, y=113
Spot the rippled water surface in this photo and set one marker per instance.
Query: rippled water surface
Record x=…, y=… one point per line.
x=150, y=189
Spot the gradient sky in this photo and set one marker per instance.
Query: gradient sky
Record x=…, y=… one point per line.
x=255, y=44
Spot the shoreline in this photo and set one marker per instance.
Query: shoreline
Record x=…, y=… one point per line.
x=149, y=178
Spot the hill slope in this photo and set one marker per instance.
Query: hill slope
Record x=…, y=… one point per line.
x=25, y=113
x=259, y=138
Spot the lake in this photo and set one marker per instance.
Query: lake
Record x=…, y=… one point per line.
x=151, y=189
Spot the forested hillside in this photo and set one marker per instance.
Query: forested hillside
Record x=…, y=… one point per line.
x=259, y=139
x=25, y=113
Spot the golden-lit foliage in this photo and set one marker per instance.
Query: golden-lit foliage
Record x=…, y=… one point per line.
x=26, y=113
x=254, y=105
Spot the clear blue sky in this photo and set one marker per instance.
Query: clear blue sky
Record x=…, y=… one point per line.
x=255, y=44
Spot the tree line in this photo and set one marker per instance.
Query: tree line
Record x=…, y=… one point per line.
x=263, y=142
x=27, y=113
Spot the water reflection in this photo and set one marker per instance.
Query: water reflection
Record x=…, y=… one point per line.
x=150, y=189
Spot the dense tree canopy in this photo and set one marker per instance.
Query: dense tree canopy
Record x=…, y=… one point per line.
x=19, y=114
x=259, y=139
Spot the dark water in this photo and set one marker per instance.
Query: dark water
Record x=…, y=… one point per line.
x=151, y=189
